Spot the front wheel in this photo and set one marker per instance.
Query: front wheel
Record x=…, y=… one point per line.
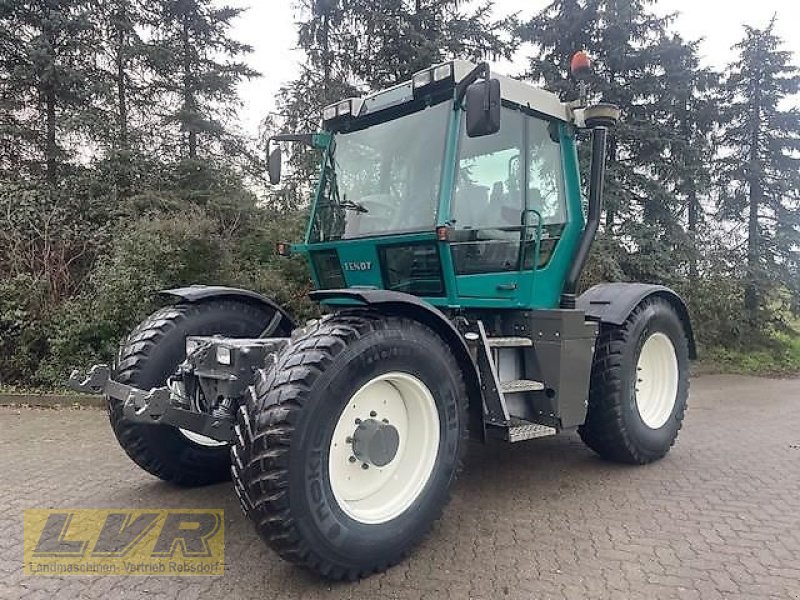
x=639, y=385
x=151, y=354
x=347, y=447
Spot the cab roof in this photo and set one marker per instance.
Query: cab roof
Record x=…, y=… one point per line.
x=511, y=90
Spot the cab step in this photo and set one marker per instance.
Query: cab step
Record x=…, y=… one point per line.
x=521, y=385
x=509, y=342
x=529, y=431
x=519, y=430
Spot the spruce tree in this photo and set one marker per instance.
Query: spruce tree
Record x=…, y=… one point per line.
x=760, y=169
x=197, y=66
x=129, y=94
x=690, y=112
x=49, y=83
x=632, y=50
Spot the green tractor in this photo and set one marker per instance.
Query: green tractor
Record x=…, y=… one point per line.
x=446, y=239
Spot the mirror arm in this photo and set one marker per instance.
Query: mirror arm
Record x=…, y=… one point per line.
x=481, y=70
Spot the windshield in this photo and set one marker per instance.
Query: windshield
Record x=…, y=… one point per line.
x=383, y=179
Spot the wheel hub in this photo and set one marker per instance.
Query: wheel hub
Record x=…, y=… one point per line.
x=375, y=443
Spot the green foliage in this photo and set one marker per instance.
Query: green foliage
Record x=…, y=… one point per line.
x=780, y=357
x=204, y=227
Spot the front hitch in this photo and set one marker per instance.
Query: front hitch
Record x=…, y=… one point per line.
x=154, y=407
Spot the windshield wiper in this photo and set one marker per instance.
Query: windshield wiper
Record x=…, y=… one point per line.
x=350, y=205
x=347, y=205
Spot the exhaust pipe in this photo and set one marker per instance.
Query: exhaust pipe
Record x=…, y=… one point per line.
x=596, y=179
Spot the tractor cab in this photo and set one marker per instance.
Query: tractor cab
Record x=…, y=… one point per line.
x=457, y=186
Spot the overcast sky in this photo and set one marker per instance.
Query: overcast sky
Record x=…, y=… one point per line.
x=268, y=26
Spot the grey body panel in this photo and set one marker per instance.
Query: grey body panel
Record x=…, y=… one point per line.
x=561, y=358
x=612, y=303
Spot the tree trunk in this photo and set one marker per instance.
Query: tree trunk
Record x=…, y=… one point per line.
x=189, y=108
x=123, y=152
x=611, y=212
x=50, y=101
x=51, y=145
x=751, y=292
x=692, y=226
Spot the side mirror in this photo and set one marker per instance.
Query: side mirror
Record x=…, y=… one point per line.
x=483, y=108
x=274, y=166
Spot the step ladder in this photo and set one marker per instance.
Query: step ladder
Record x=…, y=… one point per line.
x=499, y=422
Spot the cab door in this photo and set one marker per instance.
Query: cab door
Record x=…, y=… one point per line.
x=489, y=221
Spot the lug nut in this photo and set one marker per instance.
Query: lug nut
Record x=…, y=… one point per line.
x=385, y=420
x=352, y=459
x=372, y=413
x=358, y=421
x=364, y=466
x=348, y=440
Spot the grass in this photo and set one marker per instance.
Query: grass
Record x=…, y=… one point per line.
x=780, y=359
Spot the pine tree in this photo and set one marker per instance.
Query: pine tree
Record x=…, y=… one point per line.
x=49, y=82
x=691, y=112
x=197, y=67
x=635, y=62
x=129, y=96
x=760, y=171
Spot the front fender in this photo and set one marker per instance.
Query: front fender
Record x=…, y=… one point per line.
x=612, y=303
x=198, y=293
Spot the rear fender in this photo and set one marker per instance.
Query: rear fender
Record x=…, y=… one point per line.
x=612, y=303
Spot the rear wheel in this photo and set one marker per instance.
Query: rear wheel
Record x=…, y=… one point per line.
x=639, y=385
x=152, y=353
x=346, y=450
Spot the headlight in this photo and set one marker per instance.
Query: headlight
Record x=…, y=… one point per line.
x=421, y=79
x=434, y=75
x=443, y=72
x=223, y=355
x=344, y=108
x=329, y=113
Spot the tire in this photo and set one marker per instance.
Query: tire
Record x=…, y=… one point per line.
x=638, y=395
x=291, y=474
x=149, y=355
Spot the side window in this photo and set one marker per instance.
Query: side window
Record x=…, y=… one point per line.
x=545, y=188
x=545, y=176
x=488, y=190
x=488, y=201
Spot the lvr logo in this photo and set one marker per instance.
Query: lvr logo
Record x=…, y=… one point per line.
x=364, y=265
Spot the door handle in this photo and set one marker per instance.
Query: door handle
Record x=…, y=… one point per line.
x=507, y=287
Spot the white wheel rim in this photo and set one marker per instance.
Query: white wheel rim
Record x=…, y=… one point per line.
x=374, y=494
x=201, y=439
x=178, y=390
x=656, y=380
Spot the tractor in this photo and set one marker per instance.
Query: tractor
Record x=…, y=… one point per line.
x=446, y=239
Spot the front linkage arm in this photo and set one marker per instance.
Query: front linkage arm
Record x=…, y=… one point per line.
x=217, y=369
x=151, y=407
